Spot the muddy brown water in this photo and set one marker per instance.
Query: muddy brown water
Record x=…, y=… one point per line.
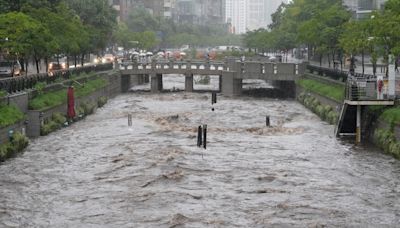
x=102, y=173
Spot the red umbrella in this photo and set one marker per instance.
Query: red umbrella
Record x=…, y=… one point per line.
x=71, y=103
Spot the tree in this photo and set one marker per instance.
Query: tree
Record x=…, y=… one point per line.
x=98, y=17
x=20, y=34
x=124, y=37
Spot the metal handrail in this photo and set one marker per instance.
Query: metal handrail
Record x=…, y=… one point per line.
x=20, y=83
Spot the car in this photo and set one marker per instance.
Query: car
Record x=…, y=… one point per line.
x=53, y=66
x=10, y=68
x=108, y=58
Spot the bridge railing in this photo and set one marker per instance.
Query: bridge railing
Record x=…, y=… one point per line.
x=179, y=65
x=244, y=67
x=20, y=83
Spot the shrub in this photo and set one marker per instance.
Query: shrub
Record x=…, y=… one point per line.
x=3, y=94
x=391, y=115
x=59, y=118
x=49, y=127
x=39, y=87
x=387, y=141
x=88, y=108
x=319, y=110
x=19, y=143
x=101, y=102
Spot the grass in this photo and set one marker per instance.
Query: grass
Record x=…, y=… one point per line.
x=9, y=115
x=51, y=99
x=18, y=144
x=335, y=92
x=391, y=115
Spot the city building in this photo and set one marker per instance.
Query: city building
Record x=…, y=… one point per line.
x=363, y=8
x=248, y=15
x=236, y=15
x=183, y=11
x=199, y=11
x=259, y=13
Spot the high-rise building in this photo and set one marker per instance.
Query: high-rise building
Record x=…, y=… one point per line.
x=363, y=8
x=259, y=13
x=247, y=15
x=236, y=15
x=123, y=7
x=199, y=11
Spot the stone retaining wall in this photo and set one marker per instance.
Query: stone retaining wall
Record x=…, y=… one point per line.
x=35, y=117
x=4, y=132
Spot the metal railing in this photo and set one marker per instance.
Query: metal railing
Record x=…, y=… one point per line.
x=180, y=65
x=361, y=89
x=21, y=83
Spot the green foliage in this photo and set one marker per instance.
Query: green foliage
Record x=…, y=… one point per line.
x=56, y=122
x=48, y=127
x=9, y=115
x=19, y=143
x=391, y=115
x=88, y=108
x=101, y=102
x=326, y=112
x=334, y=92
x=48, y=100
x=3, y=94
x=387, y=141
x=39, y=87
x=22, y=32
x=59, y=118
x=55, y=98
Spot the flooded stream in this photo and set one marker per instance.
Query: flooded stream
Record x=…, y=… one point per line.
x=102, y=173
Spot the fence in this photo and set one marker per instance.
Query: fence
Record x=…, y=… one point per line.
x=16, y=84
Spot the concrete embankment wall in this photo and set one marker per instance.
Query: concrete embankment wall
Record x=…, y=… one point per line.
x=372, y=126
x=34, y=118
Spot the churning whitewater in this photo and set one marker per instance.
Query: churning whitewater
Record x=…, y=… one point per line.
x=101, y=172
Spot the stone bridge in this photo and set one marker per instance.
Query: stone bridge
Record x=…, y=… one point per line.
x=231, y=73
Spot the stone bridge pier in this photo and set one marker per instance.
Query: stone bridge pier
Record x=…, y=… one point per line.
x=156, y=83
x=189, y=82
x=231, y=72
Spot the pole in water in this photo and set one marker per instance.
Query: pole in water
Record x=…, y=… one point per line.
x=205, y=136
x=213, y=98
x=267, y=122
x=199, y=135
x=129, y=119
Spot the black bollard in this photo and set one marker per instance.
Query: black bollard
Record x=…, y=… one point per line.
x=267, y=122
x=199, y=139
x=205, y=136
x=129, y=119
x=213, y=98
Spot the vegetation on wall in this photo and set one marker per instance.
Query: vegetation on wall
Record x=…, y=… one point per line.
x=325, y=112
x=335, y=92
x=391, y=115
x=51, y=99
x=386, y=140
x=9, y=115
x=18, y=144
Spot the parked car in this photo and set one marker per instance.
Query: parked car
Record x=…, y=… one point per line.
x=10, y=68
